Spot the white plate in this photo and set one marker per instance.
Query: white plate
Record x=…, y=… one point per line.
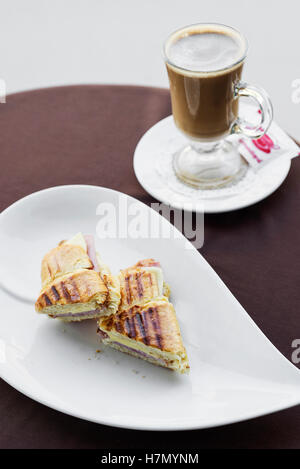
x=236, y=373
x=153, y=169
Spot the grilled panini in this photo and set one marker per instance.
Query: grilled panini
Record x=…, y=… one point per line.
x=141, y=283
x=75, y=283
x=150, y=332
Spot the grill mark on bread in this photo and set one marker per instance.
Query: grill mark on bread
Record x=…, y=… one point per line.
x=127, y=320
x=156, y=325
x=130, y=328
x=55, y=293
x=127, y=288
x=118, y=323
x=65, y=291
x=139, y=282
x=144, y=327
x=47, y=300
x=75, y=295
x=127, y=327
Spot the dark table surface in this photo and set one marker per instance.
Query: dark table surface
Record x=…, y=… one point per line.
x=87, y=135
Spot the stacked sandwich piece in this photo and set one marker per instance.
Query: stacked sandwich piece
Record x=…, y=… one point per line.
x=133, y=311
x=76, y=285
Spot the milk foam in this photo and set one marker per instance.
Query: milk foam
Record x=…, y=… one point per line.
x=205, y=51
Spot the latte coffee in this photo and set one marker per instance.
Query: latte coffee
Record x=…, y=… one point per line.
x=204, y=63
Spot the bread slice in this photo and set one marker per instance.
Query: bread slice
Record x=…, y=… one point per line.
x=62, y=260
x=141, y=283
x=71, y=295
x=150, y=332
x=76, y=285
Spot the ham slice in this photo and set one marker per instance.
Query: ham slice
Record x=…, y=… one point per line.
x=91, y=251
x=127, y=349
x=77, y=315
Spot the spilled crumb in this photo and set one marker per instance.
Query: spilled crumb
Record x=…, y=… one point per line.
x=98, y=351
x=136, y=372
x=89, y=358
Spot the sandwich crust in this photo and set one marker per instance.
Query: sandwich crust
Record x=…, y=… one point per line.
x=81, y=286
x=76, y=285
x=141, y=283
x=154, y=325
x=137, y=286
x=63, y=259
x=145, y=263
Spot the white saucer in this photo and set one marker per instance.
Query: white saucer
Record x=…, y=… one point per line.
x=153, y=167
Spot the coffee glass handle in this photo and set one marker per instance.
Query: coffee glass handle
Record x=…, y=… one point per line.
x=266, y=111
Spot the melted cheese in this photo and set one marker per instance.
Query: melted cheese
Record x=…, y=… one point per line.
x=179, y=361
x=77, y=240
x=157, y=271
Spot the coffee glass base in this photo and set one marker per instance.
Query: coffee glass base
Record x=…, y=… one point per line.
x=209, y=165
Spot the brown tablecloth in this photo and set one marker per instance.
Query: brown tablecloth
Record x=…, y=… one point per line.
x=87, y=135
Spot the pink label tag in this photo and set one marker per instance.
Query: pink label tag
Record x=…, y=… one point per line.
x=272, y=146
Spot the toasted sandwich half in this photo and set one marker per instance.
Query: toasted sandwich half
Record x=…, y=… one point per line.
x=150, y=332
x=141, y=283
x=76, y=285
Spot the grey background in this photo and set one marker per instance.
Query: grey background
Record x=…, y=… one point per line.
x=53, y=42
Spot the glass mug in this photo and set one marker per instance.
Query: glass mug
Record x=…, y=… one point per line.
x=204, y=64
